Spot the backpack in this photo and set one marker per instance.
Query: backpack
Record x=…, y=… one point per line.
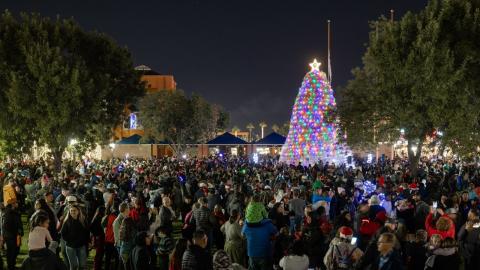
x=342, y=261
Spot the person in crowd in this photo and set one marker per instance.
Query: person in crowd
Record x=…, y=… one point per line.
x=166, y=215
x=296, y=258
x=234, y=242
x=12, y=231
x=39, y=235
x=41, y=204
x=196, y=256
x=417, y=251
x=389, y=257
x=278, y=216
x=127, y=235
x=469, y=238
x=9, y=193
x=109, y=243
x=75, y=233
x=221, y=261
x=175, y=262
x=42, y=259
x=255, y=210
x=259, y=237
x=203, y=219
x=140, y=258
x=445, y=257
x=98, y=236
x=139, y=215
x=298, y=206
x=165, y=247
x=123, y=213
x=342, y=252
x=443, y=225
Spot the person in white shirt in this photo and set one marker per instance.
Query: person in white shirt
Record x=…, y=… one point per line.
x=296, y=259
x=39, y=233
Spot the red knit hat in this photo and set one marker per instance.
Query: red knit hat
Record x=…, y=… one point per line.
x=345, y=232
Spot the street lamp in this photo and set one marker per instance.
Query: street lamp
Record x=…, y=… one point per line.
x=112, y=147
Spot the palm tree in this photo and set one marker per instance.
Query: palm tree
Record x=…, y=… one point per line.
x=250, y=127
x=262, y=126
x=235, y=130
x=275, y=128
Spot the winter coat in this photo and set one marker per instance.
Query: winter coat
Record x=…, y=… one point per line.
x=470, y=246
x=196, y=258
x=431, y=230
x=394, y=262
x=443, y=259
x=338, y=249
x=140, y=258
x=74, y=233
x=11, y=223
x=203, y=219
x=42, y=259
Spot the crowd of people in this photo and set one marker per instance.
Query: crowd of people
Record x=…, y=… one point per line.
x=225, y=212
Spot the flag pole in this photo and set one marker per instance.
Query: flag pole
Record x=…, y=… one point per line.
x=328, y=51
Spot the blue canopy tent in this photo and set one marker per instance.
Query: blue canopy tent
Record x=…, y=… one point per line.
x=228, y=143
x=227, y=139
x=272, y=139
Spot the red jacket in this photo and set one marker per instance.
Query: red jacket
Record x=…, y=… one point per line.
x=444, y=234
x=369, y=227
x=109, y=229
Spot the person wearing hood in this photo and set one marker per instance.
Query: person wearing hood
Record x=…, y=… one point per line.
x=446, y=257
x=140, y=257
x=468, y=237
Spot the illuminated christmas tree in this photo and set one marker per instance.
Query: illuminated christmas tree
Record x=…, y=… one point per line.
x=313, y=132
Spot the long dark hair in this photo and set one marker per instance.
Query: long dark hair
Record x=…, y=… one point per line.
x=38, y=219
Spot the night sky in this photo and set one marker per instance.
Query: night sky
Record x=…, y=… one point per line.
x=249, y=56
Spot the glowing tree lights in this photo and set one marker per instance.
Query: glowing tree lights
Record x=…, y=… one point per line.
x=313, y=133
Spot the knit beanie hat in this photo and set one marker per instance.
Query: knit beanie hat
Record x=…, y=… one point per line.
x=345, y=232
x=221, y=261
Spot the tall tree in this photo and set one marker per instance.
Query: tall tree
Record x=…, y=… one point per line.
x=59, y=82
x=275, y=128
x=250, y=127
x=419, y=74
x=172, y=116
x=262, y=126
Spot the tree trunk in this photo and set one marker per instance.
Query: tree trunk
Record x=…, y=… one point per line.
x=414, y=156
x=57, y=160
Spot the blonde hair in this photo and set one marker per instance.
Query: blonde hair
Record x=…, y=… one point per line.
x=443, y=224
x=80, y=217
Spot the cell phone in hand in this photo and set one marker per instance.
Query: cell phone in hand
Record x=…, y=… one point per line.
x=435, y=204
x=354, y=241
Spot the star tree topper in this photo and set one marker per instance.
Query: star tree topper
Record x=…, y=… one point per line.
x=315, y=65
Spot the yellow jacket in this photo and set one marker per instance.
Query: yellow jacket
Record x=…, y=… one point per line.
x=8, y=193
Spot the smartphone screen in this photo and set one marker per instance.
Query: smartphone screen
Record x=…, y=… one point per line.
x=435, y=204
x=354, y=241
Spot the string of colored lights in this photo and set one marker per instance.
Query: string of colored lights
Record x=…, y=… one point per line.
x=313, y=134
